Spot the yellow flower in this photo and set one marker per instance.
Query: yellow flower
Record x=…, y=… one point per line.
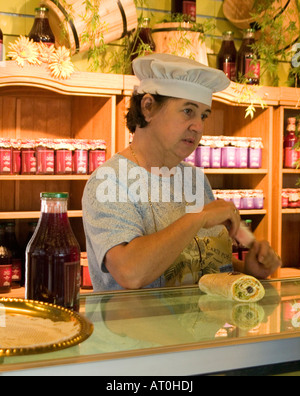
x=24, y=50
x=45, y=51
x=60, y=63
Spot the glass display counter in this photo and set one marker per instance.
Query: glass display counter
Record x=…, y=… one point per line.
x=176, y=331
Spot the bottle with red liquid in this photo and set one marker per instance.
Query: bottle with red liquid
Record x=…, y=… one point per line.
x=5, y=263
x=226, y=59
x=290, y=155
x=41, y=30
x=16, y=254
x=53, y=256
x=248, y=65
x=185, y=7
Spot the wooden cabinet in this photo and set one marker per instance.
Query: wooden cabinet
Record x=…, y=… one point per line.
x=33, y=105
x=93, y=105
x=286, y=221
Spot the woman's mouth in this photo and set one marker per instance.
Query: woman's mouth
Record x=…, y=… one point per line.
x=189, y=141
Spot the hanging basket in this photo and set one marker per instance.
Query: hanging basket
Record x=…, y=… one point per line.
x=240, y=16
x=117, y=18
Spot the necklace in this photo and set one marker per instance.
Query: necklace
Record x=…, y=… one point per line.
x=149, y=199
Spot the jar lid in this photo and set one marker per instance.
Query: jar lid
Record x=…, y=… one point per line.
x=41, y=8
x=54, y=195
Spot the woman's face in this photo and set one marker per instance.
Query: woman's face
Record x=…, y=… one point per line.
x=177, y=127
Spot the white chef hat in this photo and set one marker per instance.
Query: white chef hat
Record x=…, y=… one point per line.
x=178, y=77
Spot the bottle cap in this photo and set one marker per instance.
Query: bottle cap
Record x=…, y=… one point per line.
x=54, y=195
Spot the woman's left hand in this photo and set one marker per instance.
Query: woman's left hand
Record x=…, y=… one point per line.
x=261, y=261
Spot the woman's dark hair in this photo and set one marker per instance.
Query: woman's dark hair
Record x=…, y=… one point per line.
x=135, y=117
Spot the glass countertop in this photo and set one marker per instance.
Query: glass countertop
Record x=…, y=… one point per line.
x=137, y=323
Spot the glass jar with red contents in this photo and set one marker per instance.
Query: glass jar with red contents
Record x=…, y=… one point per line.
x=63, y=156
x=284, y=198
x=290, y=154
x=80, y=157
x=97, y=154
x=294, y=198
x=45, y=157
x=28, y=157
x=5, y=263
x=5, y=157
x=53, y=256
x=16, y=156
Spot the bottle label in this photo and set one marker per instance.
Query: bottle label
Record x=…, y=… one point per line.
x=5, y=160
x=230, y=70
x=45, y=161
x=189, y=8
x=16, y=270
x=5, y=275
x=290, y=157
x=252, y=69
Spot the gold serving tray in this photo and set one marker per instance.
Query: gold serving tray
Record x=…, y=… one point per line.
x=31, y=327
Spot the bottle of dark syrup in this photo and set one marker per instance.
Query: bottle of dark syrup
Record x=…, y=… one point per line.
x=248, y=65
x=226, y=60
x=53, y=256
x=41, y=30
x=185, y=7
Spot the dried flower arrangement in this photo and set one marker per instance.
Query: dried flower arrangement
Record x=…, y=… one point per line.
x=26, y=51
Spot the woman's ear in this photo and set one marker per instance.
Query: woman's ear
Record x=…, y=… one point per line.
x=148, y=107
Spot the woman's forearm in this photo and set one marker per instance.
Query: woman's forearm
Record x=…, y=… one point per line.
x=145, y=259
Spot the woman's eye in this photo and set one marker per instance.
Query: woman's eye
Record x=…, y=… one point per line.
x=188, y=111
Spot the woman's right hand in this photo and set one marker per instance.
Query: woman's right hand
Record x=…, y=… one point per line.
x=222, y=212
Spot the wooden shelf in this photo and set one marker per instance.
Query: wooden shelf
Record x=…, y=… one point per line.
x=291, y=171
x=80, y=83
x=250, y=212
x=291, y=211
x=235, y=171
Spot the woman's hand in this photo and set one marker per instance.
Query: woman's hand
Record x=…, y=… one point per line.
x=222, y=212
x=261, y=261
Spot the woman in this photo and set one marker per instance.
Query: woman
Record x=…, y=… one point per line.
x=137, y=234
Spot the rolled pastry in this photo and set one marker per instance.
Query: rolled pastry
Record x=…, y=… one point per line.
x=243, y=315
x=232, y=286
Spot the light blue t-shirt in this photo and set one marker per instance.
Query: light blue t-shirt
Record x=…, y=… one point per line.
x=116, y=210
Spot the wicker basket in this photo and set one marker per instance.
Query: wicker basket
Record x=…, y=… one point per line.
x=238, y=12
x=240, y=16
x=119, y=18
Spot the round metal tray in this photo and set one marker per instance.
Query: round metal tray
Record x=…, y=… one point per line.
x=31, y=327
